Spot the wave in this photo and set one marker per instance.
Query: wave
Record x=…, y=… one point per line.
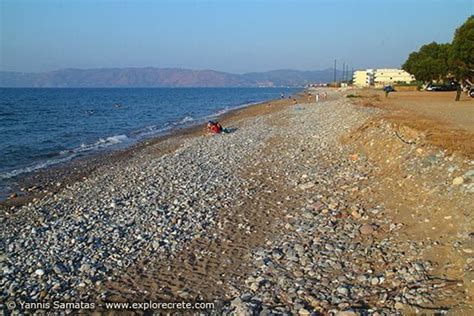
x=101, y=143
x=186, y=119
x=113, y=141
x=67, y=155
x=41, y=165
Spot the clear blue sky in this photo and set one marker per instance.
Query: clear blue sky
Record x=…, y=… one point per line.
x=234, y=36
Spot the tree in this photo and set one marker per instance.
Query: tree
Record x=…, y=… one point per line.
x=461, y=57
x=430, y=63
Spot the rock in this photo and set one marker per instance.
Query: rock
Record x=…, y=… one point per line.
x=306, y=186
x=356, y=214
x=329, y=247
x=246, y=297
x=59, y=268
x=469, y=175
x=458, y=181
x=304, y=312
x=299, y=248
x=374, y=281
x=240, y=308
x=354, y=157
x=399, y=306
x=277, y=254
x=85, y=268
x=316, y=206
x=343, y=290
x=254, y=287
x=346, y=313
x=39, y=272
x=366, y=229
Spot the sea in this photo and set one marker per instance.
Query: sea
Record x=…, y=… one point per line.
x=44, y=127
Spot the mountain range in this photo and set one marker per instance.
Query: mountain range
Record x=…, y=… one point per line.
x=162, y=77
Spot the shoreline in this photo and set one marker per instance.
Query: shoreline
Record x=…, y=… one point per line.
x=50, y=180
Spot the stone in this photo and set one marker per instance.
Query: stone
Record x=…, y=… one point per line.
x=306, y=186
x=85, y=268
x=356, y=214
x=254, y=287
x=458, y=181
x=316, y=206
x=246, y=297
x=354, y=157
x=346, y=313
x=374, y=281
x=366, y=229
x=39, y=272
x=304, y=312
x=399, y=306
x=344, y=291
x=469, y=174
x=329, y=247
x=59, y=268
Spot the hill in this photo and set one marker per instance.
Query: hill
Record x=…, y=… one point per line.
x=161, y=77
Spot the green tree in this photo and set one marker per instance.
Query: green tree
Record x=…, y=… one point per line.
x=430, y=63
x=462, y=51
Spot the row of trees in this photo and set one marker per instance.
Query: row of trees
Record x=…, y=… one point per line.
x=439, y=62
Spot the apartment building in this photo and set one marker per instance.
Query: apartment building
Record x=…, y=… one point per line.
x=381, y=77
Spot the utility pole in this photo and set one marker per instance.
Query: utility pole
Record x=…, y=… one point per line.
x=335, y=65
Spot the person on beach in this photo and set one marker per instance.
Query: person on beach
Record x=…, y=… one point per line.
x=317, y=97
x=387, y=90
x=282, y=95
x=294, y=101
x=216, y=128
x=458, y=92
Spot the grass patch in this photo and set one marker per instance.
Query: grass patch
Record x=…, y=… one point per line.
x=351, y=96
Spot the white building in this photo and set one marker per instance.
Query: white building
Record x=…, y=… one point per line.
x=381, y=77
x=363, y=78
x=387, y=76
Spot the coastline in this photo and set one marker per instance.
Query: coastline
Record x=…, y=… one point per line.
x=50, y=180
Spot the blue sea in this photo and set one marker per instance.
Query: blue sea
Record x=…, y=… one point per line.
x=42, y=127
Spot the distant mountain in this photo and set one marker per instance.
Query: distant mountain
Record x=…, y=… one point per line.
x=289, y=77
x=161, y=77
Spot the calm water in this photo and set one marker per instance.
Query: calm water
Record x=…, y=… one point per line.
x=43, y=127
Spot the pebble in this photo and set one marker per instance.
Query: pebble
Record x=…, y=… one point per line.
x=306, y=186
x=366, y=229
x=458, y=181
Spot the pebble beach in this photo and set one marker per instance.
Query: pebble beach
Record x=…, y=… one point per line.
x=278, y=217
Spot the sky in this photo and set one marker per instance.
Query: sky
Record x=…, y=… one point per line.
x=226, y=35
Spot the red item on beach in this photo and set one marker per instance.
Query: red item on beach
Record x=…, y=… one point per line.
x=215, y=128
